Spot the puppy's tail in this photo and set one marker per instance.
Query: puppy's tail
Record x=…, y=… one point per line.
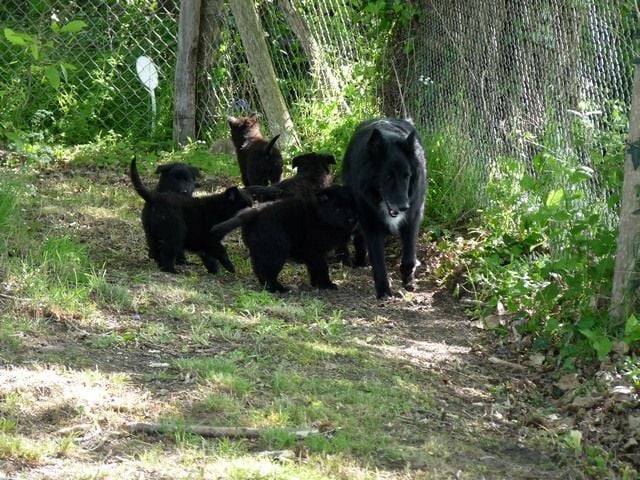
x=264, y=193
x=220, y=230
x=271, y=144
x=140, y=187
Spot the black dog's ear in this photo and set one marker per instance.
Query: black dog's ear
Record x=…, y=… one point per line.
x=409, y=143
x=376, y=142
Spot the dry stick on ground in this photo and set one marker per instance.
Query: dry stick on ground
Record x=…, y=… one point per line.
x=499, y=361
x=232, y=432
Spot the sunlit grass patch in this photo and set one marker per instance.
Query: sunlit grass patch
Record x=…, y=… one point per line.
x=221, y=373
x=82, y=393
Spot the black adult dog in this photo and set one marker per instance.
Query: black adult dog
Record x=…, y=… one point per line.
x=385, y=166
x=177, y=177
x=313, y=173
x=260, y=160
x=302, y=229
x=174, y=222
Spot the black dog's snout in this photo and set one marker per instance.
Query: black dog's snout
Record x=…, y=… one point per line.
x=404, y=207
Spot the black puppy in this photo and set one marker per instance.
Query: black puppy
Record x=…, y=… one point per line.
x=260, y=161
x=174, y=222
x=385, y=166
x=312, y=174
x=302, y=229
x=177, y=177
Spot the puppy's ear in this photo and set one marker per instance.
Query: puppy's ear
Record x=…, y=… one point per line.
x=232, y=193
x=163, y=168
x=233, y=121
x=195, y=172
x=323, y=196
x=297, y=161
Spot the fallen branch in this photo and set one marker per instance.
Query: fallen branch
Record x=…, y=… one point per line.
x=499, y=361
x=232, y=432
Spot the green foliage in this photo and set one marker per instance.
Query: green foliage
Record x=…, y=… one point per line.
x=544, y=250
x=44, y=64
x=453, y=195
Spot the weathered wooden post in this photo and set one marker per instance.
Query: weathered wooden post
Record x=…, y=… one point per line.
x=264, y=76
x=184, y=119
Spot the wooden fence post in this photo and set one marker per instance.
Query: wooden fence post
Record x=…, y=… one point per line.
x=626, y=266
x=184, y=118
x=264, y=76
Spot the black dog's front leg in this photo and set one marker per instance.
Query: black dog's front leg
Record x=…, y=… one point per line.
x=409, y=238
x=375, y=246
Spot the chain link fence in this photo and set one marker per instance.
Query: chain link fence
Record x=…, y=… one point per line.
x=511, y=77
x=501, y=75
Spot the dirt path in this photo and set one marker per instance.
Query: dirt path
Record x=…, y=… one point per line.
x=464, y=416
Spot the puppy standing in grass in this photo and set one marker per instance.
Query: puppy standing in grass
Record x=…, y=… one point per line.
x=260, y=161
x=385, y=166
x=302, y=229
x=174, y=222
x=312, y=174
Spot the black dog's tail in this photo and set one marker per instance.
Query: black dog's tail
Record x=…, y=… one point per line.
x=220, y=230
x=140, y=187
x=271, y=144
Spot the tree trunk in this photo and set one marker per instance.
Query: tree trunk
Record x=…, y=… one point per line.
x=262, y=70
x=626, y=268
x=184, y=120
x=319, y=65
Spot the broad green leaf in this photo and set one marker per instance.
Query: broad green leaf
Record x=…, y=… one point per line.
x=590, y=334
x=55, y=27
x=73, y=26
x=602, y=346
x=554, y=197
x=52, y=76
x=632, y=329
x=15, y=37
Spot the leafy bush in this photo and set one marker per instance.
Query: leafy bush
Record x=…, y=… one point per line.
x=545, y=247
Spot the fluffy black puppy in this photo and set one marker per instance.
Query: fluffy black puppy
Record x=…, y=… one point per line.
x=302, y=229
x=313, y=173
x=385, y=166
x=177, y=177
x=174, y=222
x=259, y=160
